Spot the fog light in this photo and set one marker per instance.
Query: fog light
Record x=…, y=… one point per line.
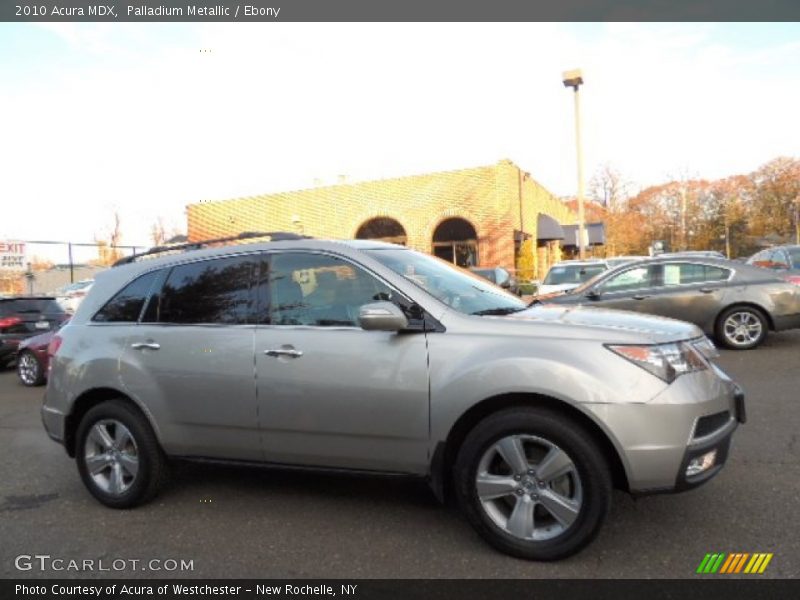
x=701, y=464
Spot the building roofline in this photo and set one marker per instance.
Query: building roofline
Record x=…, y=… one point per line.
x=355, y=184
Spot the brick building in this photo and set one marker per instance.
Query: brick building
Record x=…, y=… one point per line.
x=485, y=216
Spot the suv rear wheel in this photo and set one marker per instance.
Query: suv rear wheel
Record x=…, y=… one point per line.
x=118, y=455
x=533, y=483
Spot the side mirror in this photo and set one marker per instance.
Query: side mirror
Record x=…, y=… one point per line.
x=592, y=294
x=381, y=316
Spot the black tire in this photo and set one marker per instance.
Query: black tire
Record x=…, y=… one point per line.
x=28, y=360
x=152, y=464
x=586, y=457
x=723, y=334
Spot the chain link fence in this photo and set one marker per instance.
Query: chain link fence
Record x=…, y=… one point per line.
x=52, y=265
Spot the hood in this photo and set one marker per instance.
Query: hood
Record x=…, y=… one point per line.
x=657, y=329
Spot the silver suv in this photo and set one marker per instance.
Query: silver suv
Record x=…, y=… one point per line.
x=370, y=357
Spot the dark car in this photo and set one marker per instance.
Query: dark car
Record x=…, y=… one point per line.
x=498, y=276
x=22, y=317
x=32, y=357
x=784, y=260
x=736, y=303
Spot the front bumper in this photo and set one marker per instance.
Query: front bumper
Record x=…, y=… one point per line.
x=657, y=440
x=719, y=441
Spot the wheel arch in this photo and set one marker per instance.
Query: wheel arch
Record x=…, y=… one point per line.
x=445, y=452
x=88, y=400
x=745, y=304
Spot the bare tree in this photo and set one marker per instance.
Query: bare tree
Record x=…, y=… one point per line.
x=158, y=232
x=107, y=245
x=608, y=187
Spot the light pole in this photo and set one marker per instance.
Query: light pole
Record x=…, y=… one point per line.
x=574, y=79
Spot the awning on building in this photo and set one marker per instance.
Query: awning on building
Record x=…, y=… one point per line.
x=547, y=229
x=595, y=231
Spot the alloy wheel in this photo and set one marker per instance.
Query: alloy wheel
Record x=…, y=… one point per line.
x=28, y=369
x=111, y=456
x=742, y=328
x=529, y=487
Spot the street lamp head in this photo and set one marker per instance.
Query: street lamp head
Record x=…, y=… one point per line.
x=573, y=78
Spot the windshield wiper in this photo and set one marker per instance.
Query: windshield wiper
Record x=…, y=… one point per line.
x=498, y=311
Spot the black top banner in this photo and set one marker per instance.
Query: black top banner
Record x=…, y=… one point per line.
x=401, y=10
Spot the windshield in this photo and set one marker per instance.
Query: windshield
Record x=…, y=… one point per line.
x=591, y=282
x=459, y=289
x=561, y=274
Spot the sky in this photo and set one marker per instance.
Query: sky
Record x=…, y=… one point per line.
x=144, y=119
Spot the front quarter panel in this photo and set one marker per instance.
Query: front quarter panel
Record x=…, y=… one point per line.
x=467, y=368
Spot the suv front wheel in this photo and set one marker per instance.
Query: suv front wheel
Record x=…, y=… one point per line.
x=533, y=483
x=118, y=455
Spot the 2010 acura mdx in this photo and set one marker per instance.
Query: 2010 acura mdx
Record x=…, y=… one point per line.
x=366, y=356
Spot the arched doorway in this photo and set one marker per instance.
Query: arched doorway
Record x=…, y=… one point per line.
x=456, y=240
x=385, y=229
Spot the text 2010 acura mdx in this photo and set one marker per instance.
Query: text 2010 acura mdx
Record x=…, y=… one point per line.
x=371, y=357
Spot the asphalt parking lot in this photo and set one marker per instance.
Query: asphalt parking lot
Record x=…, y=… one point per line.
x=236, y=522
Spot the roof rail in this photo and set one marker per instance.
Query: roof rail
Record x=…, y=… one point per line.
x=274, y=236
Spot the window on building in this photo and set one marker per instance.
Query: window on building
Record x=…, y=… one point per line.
x=384, y=229
x=456, y=240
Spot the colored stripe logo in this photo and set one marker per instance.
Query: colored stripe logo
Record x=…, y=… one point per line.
x=736, y=562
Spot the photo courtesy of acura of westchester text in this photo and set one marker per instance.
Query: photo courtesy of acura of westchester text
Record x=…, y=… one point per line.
x=402, y=301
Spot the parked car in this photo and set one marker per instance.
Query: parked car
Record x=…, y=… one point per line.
x=370, y=357
x=32, y=358
x=498, y=276
x=784, y=260
x=22, y=317
x=569, y=274
x=736, y=303
x=71, y=295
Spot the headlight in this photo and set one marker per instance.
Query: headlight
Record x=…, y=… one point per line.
x=706, y=347
x=665, y=361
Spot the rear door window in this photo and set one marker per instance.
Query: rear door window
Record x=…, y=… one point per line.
x=688, y=273
x=215, y=292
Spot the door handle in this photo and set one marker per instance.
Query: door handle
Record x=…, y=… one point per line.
x=290, y=352
x=148, y=345
x=640, y=297
x=706, y=290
